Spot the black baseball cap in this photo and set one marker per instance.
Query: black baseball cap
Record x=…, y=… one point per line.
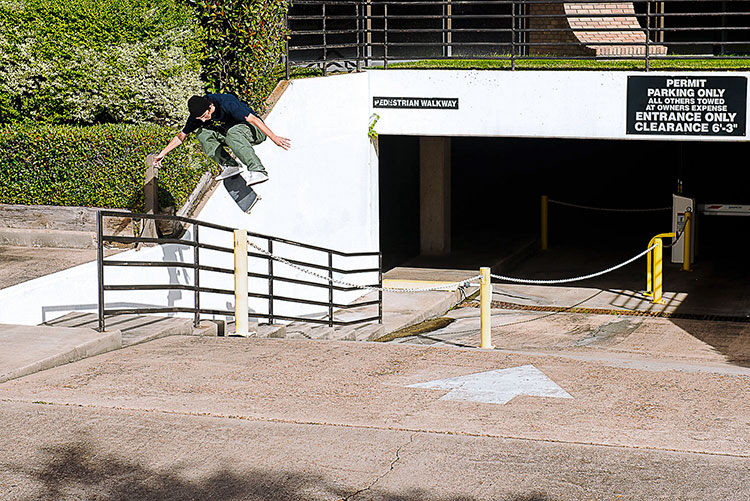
x=198, y=105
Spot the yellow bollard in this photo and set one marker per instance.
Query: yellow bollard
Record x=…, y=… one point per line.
x=240, y=283
x=650, y=262
x=658, y=262
x=485, y=300
x=686, y=241
x=545, y=241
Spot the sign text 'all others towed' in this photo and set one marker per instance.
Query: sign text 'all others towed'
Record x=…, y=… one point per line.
x=687, y=105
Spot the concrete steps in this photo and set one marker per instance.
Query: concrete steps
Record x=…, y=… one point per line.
x=361, y=332
x=137, y=329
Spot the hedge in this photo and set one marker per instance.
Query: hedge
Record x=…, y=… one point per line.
x=97, y=166
x=244, y=41
x=96, y=61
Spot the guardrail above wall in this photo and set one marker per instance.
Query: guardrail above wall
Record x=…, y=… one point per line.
x=351, y=34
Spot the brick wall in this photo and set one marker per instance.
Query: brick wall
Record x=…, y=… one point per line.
x=577, y=23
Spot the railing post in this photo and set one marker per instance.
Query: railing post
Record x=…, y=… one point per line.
x=686, y=242
x=385, y=36
x=330, y=289
x=288, y=30
x=270, y=282
x=485, y=301
x=325, y=42
x=197, y=276
x=648, y=32
x=380, y=287
x=513, y=37
x=100, y=267
x=368, y=32
x=359, y=35
x=545, y=234
x=240, y=283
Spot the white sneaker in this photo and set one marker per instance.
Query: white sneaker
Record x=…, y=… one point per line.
x=254, y=177
x=228, y=171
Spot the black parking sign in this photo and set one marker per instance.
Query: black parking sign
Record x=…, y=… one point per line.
x=687, y=105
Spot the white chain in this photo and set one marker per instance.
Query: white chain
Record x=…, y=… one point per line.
x=454, y=285
x=608, y=210
x=575, y=279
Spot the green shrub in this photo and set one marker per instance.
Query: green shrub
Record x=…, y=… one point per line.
x=244, y=41
x=98, y=61
x=97, y=166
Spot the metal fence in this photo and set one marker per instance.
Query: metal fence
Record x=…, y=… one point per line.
x=351, y=34
x=272, y=278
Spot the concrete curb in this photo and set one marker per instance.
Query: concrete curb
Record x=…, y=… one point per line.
x=107, y=341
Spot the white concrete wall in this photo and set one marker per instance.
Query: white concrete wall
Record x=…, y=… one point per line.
x=324, y=191
x=560, y=104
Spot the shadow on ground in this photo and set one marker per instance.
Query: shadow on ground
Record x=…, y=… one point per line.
x=80, y=470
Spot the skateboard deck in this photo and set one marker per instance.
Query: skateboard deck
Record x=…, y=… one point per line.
x=244, y=196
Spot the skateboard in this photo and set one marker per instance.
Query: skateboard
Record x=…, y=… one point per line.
x=244, y=196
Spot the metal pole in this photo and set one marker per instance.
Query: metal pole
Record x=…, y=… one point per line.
x=485, y=300
x=197, y=262
x=385, y=36
x=648, y=32
x=330, y=289
x=368, y=28
x=357, y=12
x=545, y=235
x=447, y=18
x=380, y=288
x=270, y=282
x=286, y=23
x=687, y=240
x=325, y=43
x=100, y=267
x=513, y=40
x=240, y=283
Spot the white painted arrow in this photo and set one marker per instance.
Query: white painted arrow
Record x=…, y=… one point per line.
x=497, y=387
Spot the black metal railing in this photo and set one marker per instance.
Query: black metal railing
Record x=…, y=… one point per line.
x=350, y=34
x=272, y=275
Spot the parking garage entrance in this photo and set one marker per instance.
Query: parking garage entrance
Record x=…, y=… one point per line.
x=488, y=209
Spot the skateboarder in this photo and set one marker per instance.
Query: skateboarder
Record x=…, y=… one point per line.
x=220, y=121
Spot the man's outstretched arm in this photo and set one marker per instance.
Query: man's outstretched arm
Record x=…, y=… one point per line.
x=280, y=141
x=174, y=143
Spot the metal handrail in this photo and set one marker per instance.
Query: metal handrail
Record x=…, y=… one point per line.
x=353, y=33
x=197, y=268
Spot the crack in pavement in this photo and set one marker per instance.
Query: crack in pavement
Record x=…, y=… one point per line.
x=390, y=469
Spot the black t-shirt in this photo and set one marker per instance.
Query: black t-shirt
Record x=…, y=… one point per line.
x=229, y=112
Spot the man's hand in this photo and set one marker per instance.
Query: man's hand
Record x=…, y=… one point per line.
x=281, y=141
x=157, y=160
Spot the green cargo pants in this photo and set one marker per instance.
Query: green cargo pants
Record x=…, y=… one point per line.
x=240, y=139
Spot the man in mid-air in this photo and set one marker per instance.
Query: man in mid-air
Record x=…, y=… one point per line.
x=222, y=121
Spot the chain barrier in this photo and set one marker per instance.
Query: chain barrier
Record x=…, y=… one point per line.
x=574, y=279
x=586, y=207
x=455, y=285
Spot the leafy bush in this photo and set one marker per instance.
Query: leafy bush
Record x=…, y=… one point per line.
x=97, y=166
x=244, y=41
x=95, y=61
